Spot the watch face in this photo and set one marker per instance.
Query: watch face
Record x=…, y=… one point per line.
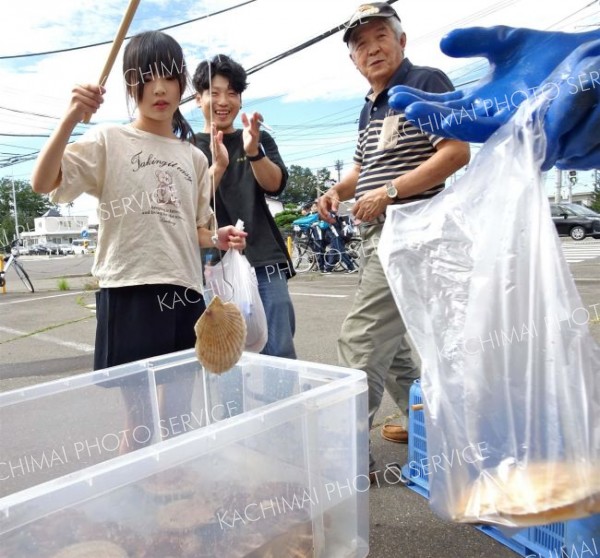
x=391, y=191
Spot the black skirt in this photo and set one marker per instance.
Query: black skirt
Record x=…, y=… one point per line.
x=144, y=321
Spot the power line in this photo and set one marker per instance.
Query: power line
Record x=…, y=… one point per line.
x=71, y=49
x=29, y=135
x=294, y=131
x=291, y=51
x=29, y=113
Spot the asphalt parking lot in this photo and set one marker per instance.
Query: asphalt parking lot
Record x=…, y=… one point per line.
x=49, y=335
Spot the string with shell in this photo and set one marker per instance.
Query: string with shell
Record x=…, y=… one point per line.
x=221, y=329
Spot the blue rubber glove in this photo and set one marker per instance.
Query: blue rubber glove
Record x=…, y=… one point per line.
x=572, y=120
x=523, y=62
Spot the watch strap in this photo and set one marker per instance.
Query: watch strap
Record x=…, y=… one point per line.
x=260, y=155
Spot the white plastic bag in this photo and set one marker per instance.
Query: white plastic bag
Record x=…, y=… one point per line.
x=511, y=373
x=234, y=280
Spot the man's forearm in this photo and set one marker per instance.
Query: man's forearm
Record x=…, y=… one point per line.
x=267, y=174
x=216, y=173
x=346, y=188
x=450, y=157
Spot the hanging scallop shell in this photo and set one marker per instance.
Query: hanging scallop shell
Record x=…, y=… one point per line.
x=220, y=336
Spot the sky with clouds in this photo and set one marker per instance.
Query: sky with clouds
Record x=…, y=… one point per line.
x=311, y=99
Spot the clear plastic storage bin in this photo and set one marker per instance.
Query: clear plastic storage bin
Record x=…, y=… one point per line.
x=158, y=458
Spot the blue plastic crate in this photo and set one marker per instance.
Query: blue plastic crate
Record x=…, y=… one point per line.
x=544, y=541
x=541, y=542
x=413, y=471
x=546, y=538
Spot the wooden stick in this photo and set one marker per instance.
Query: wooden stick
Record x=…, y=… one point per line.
x=119, y=38
x=417, y=407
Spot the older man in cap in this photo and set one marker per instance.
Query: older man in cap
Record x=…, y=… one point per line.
x=394, y=162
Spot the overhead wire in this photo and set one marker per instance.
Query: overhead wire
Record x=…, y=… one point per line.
x=300, y=131
x=293, y=50
x=92, y=45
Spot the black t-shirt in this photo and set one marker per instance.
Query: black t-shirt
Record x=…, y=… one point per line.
x=239, y=196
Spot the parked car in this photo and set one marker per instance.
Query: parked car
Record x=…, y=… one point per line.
x=66, y=249
x=569, y=222
x=581, y=209
x=83, y=246
x=52, y=248
x=39, y=250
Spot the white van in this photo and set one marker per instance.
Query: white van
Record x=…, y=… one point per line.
x=83, y=246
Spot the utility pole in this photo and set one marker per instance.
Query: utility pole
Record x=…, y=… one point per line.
x=557, y=192
x=12, y=180
x=572, y=182
x=339, y=165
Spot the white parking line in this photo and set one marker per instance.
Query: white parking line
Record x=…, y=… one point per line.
x=318, y=295
x=83, y=347
x=35, y=299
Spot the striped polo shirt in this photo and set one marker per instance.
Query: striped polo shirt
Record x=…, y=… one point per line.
x=388, y=144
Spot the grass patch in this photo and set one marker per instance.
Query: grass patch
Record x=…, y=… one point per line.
x=63, y=284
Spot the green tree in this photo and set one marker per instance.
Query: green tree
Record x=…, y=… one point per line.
x=284, y=218
x=301, y=186
x=29, y=206
x=324, y=179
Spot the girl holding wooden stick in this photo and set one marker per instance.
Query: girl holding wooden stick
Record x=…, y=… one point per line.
x=154, y=210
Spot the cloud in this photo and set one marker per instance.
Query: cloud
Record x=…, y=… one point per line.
x=250, y=34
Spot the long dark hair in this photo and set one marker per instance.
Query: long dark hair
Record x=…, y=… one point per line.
x=155, y=54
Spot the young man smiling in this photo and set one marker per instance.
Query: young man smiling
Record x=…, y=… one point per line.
x=246, y=166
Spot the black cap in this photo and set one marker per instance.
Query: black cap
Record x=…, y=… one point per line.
x=367, y=11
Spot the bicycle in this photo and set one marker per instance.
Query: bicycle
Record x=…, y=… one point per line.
x=354, y=249
x=343, y=251
x=11, y=261
x=303, y=255
x=306, y=252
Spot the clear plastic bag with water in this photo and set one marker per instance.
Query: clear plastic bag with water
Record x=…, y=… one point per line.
x=233, y=279
x=510, y=371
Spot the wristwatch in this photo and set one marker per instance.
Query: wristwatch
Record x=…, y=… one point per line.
x=390, y=190
x=260, y=155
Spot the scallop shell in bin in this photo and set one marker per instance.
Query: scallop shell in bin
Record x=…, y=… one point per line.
x=92, y=549
x=220, y=336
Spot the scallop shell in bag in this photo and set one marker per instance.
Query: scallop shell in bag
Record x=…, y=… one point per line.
x=220, y=336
